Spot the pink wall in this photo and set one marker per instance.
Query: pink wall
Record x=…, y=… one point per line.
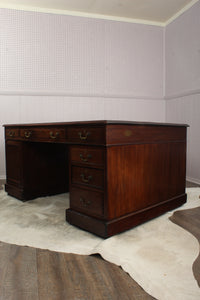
x=59, y=68
x=182, y=85
x=53, y=54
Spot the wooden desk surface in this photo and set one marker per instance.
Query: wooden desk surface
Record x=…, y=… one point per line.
x=95, y=122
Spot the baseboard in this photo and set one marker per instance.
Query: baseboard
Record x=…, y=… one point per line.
x=107, y=228
x=193, y=180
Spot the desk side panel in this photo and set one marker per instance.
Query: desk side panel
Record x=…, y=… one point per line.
x=144, y=175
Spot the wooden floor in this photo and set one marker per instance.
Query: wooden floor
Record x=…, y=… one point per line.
x=34, y=274
x=31, y=274
x=190, y=220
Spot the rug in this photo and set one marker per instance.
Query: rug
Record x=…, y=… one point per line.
x=158, y=255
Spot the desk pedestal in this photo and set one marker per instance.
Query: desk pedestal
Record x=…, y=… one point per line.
x=36, y=169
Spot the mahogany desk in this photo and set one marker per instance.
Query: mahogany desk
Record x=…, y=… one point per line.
x=119, y=174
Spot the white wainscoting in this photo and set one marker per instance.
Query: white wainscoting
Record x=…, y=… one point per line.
x=187, y=110
x=36, y=109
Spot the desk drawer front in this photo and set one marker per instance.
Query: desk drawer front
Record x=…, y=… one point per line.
x=87, y=201
x=87, y=176
x=43, y=134
x=85, y=135
x=11, y=133
x=87, y=155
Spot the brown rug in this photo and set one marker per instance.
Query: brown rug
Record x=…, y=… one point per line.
x=189, y=219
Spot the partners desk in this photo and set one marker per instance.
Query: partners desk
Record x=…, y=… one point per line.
x=119, y=174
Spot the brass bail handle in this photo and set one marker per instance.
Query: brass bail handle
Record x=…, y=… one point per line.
x=84, y=135
x=11, y=133
x=27, y=134
x=85, y=158
x=86, y=179
x=52, y=135
x=85, y=202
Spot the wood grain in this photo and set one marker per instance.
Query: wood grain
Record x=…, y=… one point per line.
x=18, y=278
x=34, y=274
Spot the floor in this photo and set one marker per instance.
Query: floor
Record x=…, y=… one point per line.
x=191, y=184
x=34, y=274
x=189, y=219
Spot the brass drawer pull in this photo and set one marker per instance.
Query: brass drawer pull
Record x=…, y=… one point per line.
x=85, y=202
x=52, y=135
x=27, y=134
x=11, y=133
x=85, y=159
x=86, y=179
x=84, y=135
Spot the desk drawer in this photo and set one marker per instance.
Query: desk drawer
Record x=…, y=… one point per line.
x=87, y=155
x=87, y=176
x=11, y=133
x=43, y=134
x=87, y=201
x=85, y=135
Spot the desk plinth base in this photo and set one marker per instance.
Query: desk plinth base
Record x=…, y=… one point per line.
x=106, y=229
x=27, y=194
